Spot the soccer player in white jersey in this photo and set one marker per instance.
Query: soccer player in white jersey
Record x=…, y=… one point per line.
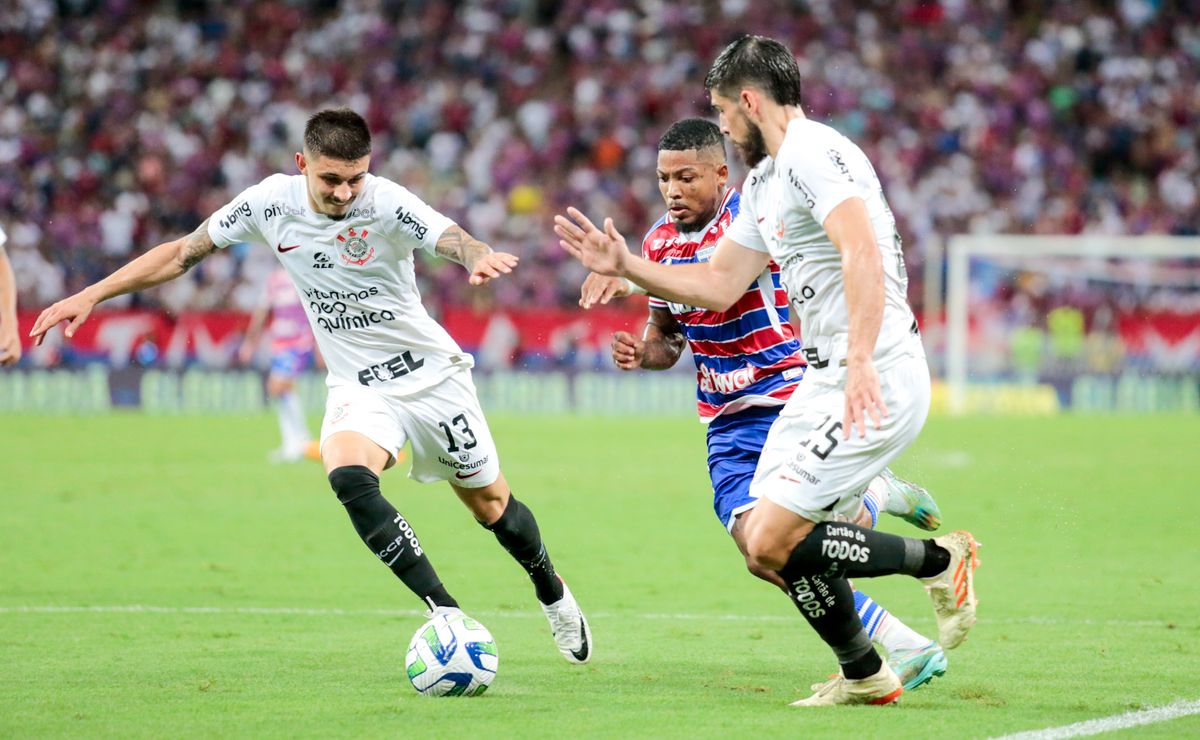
x=10, y=342
x=814, y=204
x=748, y=363
x=347, y=240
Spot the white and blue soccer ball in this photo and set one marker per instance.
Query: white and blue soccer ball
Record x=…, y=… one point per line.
x=452, y=655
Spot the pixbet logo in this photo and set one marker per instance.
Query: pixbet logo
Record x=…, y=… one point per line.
x=280, y=209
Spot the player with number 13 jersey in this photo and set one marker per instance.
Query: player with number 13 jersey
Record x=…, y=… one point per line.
x=347, y=239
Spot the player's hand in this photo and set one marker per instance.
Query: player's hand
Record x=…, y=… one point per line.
x=627, y=350
x=863, y=398
x=601, y=251
x=492, y=265
x=74, y=310
x=245, y=353
x=10, y=346
x=601, y=289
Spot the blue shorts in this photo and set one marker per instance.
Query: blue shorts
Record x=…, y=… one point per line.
x=290, y=363
x=734, y=445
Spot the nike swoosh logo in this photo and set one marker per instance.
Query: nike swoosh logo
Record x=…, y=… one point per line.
x=281, y=249
x=458, y=474
x=582, y=653
x=764, y=218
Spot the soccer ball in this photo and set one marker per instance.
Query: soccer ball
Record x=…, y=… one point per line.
x=452, y=655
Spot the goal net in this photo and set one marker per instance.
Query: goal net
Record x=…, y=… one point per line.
x=1087, y=323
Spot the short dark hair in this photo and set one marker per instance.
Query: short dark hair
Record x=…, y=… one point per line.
x=691, y=133
x=758, y=61
x=339, y=133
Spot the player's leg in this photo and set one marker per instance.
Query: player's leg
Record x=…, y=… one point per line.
x=281, y=389
x=734, y=443
x=451, y=441
x=828, y=605
x=810, y=471
x=360, y=438
x=734, y=446
x=914, y=658
x=807, y=476
x=516, y=529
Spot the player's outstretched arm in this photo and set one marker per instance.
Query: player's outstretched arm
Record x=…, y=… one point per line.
x=482, y=264
x=714, y=285
x=849, y=228
x=165, y=262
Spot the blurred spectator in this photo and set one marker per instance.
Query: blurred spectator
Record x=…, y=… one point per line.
x=123, y=123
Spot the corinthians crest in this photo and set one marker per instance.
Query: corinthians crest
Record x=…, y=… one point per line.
x=353, y=248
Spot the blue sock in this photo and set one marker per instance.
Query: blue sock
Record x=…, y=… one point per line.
x=871, y=502
x=871, y=614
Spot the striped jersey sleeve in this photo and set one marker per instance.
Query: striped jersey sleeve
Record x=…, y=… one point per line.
x=748, y=354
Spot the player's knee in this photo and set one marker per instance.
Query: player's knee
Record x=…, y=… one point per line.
x=764, y=554
x=351, y=482
x=762, y=573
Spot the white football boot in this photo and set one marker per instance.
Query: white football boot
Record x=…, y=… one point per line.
x=882, y=688
x=570, y=628
x=953, y=590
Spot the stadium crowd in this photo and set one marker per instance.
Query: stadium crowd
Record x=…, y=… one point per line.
x=125, y=123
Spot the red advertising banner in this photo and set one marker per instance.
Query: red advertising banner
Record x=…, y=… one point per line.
x=530, y=337
x=211, y=339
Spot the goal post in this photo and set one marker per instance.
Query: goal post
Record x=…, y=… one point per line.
x=1167, y=266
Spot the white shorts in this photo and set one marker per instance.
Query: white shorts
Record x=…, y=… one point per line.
x=450, y=438
x=806, y=466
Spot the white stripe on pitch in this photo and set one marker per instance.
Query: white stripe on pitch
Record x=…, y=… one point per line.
x=335, y=612
x=1174, y=710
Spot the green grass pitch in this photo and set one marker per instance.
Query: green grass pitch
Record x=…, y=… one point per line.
x=159, y=579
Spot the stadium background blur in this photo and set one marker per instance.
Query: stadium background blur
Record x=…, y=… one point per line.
x=126, y=123
x=161, y=580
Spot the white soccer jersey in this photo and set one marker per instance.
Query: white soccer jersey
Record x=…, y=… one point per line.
x=354, y=276
x=785, y=202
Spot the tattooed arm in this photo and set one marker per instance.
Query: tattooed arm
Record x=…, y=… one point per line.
x=481, y=262
x=165, y=262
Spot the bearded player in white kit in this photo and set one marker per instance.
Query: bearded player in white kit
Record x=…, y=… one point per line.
x=813, y=204
x=346, y=239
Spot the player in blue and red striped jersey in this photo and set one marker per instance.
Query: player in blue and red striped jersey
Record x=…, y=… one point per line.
x=748, y=362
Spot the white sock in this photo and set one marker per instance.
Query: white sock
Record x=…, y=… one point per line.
x=896, y=635
x=293, y=427
x=883, y=628
x=875, y=499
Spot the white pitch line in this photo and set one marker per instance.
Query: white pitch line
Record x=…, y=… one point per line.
x=334, y=612
x=1174, y=710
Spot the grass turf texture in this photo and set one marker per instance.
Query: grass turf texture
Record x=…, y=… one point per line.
x=1089, y=605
